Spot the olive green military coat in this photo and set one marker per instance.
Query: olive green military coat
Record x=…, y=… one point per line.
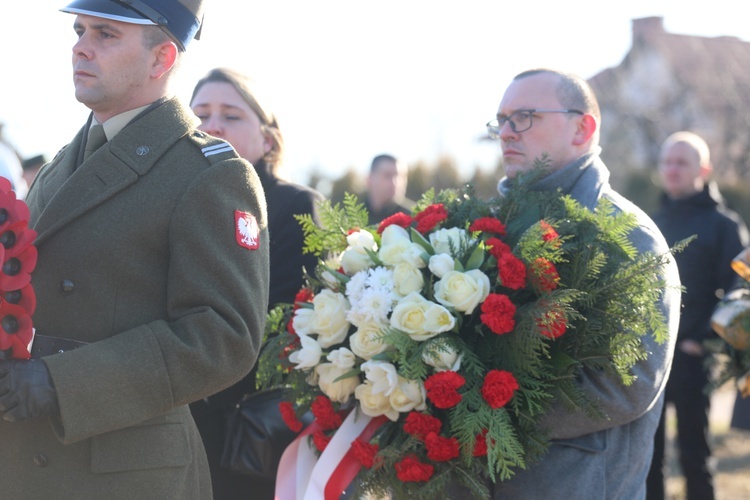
x=139, y=254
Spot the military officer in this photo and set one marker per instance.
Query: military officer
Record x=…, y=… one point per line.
x=152, y=276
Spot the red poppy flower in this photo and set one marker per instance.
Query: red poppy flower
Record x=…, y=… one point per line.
x=441, y=449
x=442, y=389
x=498, y=388
x=498, y=313
x=289, y=416
x=430, y=217
x=16, y=238
x=12, y=210
x=410, y=469
x=420, y=424
x=15, y=330
x=364, y=452
x=16, y=271
x=325, y=414
x=25, y=297
x=399, y=219
x=488, y=225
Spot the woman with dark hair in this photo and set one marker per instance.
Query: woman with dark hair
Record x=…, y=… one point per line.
x=228, y=107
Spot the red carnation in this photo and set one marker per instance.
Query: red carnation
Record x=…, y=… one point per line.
x=545, y=276
x=548, y=232
x=512, y=271
x=441, y=449
x=320, y=440
x=410, y=469
x=325, y=414
x=480, y=445
x=430, y=217
x=498, y=388
x=420, y=424
x=553, y=324
x=304, y=295
x=488, y=225
x=364, y=452
x=498, y=313
x=497, y=247
x=289, y=416
x=399, y=219
x=442, y=389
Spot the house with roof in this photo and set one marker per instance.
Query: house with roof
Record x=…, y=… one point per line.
x=669, y=82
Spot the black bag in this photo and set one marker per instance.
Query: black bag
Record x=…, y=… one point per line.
x=256, y=435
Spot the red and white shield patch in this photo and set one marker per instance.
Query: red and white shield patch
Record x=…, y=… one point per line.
x=246, y=230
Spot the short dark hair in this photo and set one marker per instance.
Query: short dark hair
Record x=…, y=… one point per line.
x=572, y=91
x=154, y=35
x=381, y=159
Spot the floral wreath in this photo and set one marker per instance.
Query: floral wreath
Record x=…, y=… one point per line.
x=458, y=326
x=18, y=256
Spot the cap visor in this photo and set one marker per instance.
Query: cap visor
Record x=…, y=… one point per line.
x=106, y=9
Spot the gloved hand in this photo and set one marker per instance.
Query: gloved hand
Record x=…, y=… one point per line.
x=26, y=390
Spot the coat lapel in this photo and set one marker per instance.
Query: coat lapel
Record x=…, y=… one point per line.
x=67, y=193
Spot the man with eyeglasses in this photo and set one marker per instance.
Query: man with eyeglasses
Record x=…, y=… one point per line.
x=552, y=117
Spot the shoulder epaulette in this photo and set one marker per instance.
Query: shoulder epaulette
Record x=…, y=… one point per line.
x=213, y=148
x=223, y=147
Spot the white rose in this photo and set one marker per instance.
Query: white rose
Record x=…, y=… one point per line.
x=342, y=358
x=338, y=390
x=355, y=257
x=407, y=279
x=396, y=246
x=366, y=342
x=441, y=355
x=462, y=291
x=374, y=404
x=302, y=320
x=329, y=320
x=419, y=318
x=307, y=357
x=440, y=264
x=442, y=239
x=408, y=395
x=382, y=375
x=438, y=319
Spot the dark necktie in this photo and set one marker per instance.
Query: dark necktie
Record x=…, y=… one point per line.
x=96, y=139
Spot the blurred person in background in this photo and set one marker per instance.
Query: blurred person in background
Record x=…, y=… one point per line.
x=31, y=167
x=10, y=166
x=692, y=205
x=229, y=107
x=386, y=188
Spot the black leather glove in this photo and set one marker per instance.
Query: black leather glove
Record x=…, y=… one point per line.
x=26, y=390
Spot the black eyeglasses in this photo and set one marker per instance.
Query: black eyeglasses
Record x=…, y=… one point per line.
x=520, y=121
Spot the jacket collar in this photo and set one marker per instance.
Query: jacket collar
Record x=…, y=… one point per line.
x=71, y=192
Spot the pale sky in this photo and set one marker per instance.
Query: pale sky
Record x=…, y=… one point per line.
x=351, y=79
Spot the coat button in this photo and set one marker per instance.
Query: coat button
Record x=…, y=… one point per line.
x=66, y=286
x=40, y=460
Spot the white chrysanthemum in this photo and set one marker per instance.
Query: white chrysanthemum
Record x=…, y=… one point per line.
x=380, y=277
x=355, y=286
